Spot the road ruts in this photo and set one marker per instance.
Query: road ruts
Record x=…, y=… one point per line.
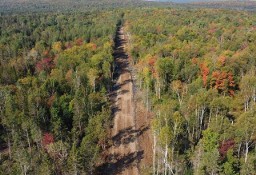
x=123, y=156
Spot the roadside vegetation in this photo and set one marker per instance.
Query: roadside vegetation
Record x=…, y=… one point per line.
x=55, y=73
x=197, y=69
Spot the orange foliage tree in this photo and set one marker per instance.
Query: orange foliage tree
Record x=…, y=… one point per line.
x=204, y=72
x=223, y=81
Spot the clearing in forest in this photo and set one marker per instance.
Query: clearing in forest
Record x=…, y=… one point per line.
x=130, y=148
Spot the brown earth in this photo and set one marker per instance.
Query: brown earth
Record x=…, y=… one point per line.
x=131, y=147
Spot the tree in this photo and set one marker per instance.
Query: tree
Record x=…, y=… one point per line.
x=164, y=67
x=208, y=154
x=248, y=90
x=178, y=87
x=229, y=167
x=245, y=131
x=205, y=72
x=57, y=47
x=92, y=76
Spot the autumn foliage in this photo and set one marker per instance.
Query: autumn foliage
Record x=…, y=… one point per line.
x=151, y=63
x=204, y=72
x=223, y=81
x=47, y=139
x=79, y=42
x=51, y=100
x=222, y=60
x=225, y=146
x=45, y=64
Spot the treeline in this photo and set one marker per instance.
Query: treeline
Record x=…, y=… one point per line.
x=197, y=69
x=248, y=5
x=55, y=72
x=16, y=6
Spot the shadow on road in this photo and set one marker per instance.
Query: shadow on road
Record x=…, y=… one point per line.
x=115, y=163
x=120, y=163
x=128, y=135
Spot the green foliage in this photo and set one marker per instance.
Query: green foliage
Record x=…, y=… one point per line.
x=198, y=67
x=60, y=71
x=165, y=68
x=210, y=140
x=249, y=166
x=11, y=6
x=230, y=164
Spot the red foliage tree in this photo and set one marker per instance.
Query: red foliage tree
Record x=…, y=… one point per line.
x=217, y=80
x=231, y=84
x=45, y=64
x=212, y=30
x=68, y=45
x=47, y=139
x=46, y=53
x=94, y=46
x=225, y=146
x=151, y=63
x=79, y=42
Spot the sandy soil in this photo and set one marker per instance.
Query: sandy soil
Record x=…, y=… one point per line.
x=130, y=148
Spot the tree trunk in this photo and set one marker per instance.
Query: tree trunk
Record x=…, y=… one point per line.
x=154, y=153
x=166, y=159
x=159, y=90
x=179, y=98
x=28, y=140
x=246, y=151
x=140, y=83
x=201, y=117
x=254, y=95
x=9, y=147
x=94, y=84
x=157, y=170
x=238, y=151
x=75, y=168
x=147, y=100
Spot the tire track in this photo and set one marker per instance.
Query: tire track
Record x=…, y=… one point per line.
x=123, y=156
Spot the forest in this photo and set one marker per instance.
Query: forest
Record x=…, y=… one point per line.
x=39, y=6
x=194, y=71
x=248, y=5
x=197, y=69
x=53, y=86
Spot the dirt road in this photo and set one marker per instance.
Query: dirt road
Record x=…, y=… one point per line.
x=125, y=154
